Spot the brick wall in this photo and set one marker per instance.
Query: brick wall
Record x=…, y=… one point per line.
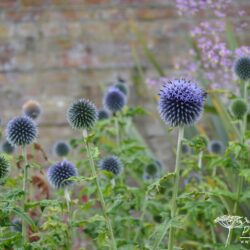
x=56, y=50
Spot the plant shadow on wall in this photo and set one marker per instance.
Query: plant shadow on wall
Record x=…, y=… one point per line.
x=109, y=191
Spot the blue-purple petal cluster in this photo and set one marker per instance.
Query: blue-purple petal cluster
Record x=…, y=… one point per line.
x=82, y=114
x=4, y=169
x=61, y=148
x=216, y=147
x=181, y=102
x=21, y=131
x=7, y=148
x=59, y=173
x=114, y=100
x=242, y=68
x=111, y=164
x=103, y=114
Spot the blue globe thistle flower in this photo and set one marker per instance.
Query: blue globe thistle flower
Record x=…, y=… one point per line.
x=21, y=131
x=122, y=87
x=242, y=68
x=114, y=100
x=111, y=164
x=103, y=114
x=60, y=172
x=32, y=109
x=82, y=114
x=7, y=147
x=61, y=148
x=181, y=103
x=4, y=169
x=216, y=147
x=185, y=149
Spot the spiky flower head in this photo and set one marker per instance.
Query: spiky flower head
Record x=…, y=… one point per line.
x=239, y=108
x=152, y=170
x=122, y=87
x=112, y=164
x=114, y=100
x=181, y=102
x=103, y=114
x=59, y=173
x=7, y=147
x=242, y=68
x=215, y=147
x=82, y=114
x=4, y=169
x=61, y=148
x=185, y=149
x=21, y=131
x=32, y=109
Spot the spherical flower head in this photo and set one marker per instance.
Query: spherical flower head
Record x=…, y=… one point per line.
x=4, y=169
x=32, y=109
x=122, y=87
x=185, y=149
x=59, y=173
x=114, y=100
x=21, y=131
x=216, y=147
x=61, y=148
x=242, y=68
x=111, y=164
x=181, y=103
x=82, y=114
x=239, y=108
x=8, y=148
x=152, y=170
x=103, y=114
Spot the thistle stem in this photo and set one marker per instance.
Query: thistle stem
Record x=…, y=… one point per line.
x=174, y=198
x=68, y=200
x=242, y=141
x=104, y=208
x=200, y=160
x=117, y=130
x=25, y=190
x=176, y=188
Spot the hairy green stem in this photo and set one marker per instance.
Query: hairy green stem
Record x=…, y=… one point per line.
x=117, y=131
x=240, y=179
x=100, y=194
x=68, y=200
x=25, y=190
x=242, y=141
x=174, y=198
x=176, y=188
x=200, y=160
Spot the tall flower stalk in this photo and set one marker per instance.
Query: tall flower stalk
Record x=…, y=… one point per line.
x=25, y=189
x=22, y=131
x=176, y=188
x=83, y=114
x=181, y=103
x=58, y=175
x=100, y=194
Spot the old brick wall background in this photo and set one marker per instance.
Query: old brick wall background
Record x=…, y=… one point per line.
x=57, y=50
